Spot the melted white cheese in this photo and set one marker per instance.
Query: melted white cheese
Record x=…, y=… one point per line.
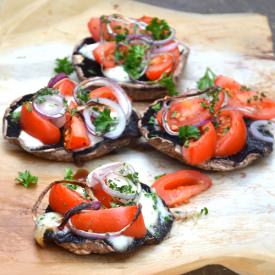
x=87, y=50
x=50, y=220
x=29, y=141
x=117, y=73
x=121, y=243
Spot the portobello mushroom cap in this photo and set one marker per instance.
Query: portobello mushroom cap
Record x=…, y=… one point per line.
x=86, y=68
x=171, y=146
x=11, y=131
x=83, y=246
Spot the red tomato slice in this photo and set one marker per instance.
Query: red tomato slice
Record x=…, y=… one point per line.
x=177, y=188
x=76, y=135
x=146, y=19
x=160, y=65
x=94, y=28
x=202, y=149
x=105, y=92
x=102, y=196
x=62, y=198
x=111, y=220
x=37, y=126
x=228, y=84
x=105, y=54
x=65, y=86
x=262, y=107
x=186, y=112
x=231, y=133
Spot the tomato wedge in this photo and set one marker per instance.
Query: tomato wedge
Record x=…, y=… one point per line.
x=261, y=106
x=228, y=84
x=102, y=196
x=65, y=86
x=94, y=28
x=159, y=65
x=231, y=133
x=177, y=188
x=203, y=149
x=76, y=135
x=186, y=112
x=105, y=92
x=62, y=198
x=146, y=19
x=105, y=54
x=37, y=126
x=111, y=220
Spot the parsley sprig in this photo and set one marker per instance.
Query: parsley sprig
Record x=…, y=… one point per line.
x=159, y=29
x=40, y=95
x=169, y=84
x=68, y=174
x=63, y=65
x=26, y=179
x=188, y=132
x=103, y=122
x=207, y=81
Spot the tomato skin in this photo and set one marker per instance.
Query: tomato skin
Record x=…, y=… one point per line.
x=65, y=86
x=94, y=28
x=188, y=112
x=105, y=92
x=202, y=149
x=178, y=187
x=105, y=54
x=146, y=19
x=160, y=65
x=38, y=126
x=62, y=198
x=76, y=134
x=234, y=140
x=111, y=220
x=102, y=196
x=227, y=83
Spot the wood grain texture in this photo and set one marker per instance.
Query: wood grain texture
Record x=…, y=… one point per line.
x=239, y=230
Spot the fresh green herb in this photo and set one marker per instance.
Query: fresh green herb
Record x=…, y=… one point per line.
x=72, y=186
x=133, y=177
x=204, y=211
x=127, y=188
x=174, y=114
x=151, y=120
x=72, y=111
x=156, y=107
x=188, y=132
x=119, y=55
x=159, y=176
x=103, y=122
x=121, y=36
x=104, y=19
x=68, y=174
x=92, y=72
x=15, y=116
x=83, y=95
x=159, y=29
x=114, y=204
x=133, y=61
x=207, y=81
x=40, y=96
x=169, y=84
x=26, y=179
x=63, y=65
x=167, y=219
x=213, y=95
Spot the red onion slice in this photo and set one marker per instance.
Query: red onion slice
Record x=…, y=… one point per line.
x=121, y=96
x=100, y=236
x=166, y=48
x=245, y=110
x=56, y=79
x=121, y=119
x=166, y=40
x=254, y=129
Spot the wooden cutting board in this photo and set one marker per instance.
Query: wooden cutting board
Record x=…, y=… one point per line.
x=239, y=230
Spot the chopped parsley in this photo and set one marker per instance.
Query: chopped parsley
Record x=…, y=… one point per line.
x=72, y=111
x=204, y=211
x=71, y=186
x=213, y=95
x=188, y=132
x=207, y=81
x=103, y=122
x=133, y=61
x=40, y=96
x=68, y=174
x=159, y=176
x=169, y=84
x=83, y=95
x=133, y=177
x=15, y=116
x=159, y=29
x=26, y=179
x=154, y=197
x=126, y=188
x=174, y=114
x=156, y=107
x=63, y=65
x=151, y=120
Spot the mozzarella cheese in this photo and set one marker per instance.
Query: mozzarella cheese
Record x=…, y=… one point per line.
x=121, y=243
x=87, y=50
x=46, y=221
x=117, y=73
x=29, y=141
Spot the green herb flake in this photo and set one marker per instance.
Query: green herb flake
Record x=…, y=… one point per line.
x=15, y=116
x=151, y=120
x=68, y=174
x=156, y=107
x=207, y=81
x=169, y=84
x=83, y=95
x=188, y=132
x=133, y=177
x=26, y=179
x=204, y=211
x=103, y=122
x=159, y=176
x=159, y=29
x=63, y=65
x=71, y=186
